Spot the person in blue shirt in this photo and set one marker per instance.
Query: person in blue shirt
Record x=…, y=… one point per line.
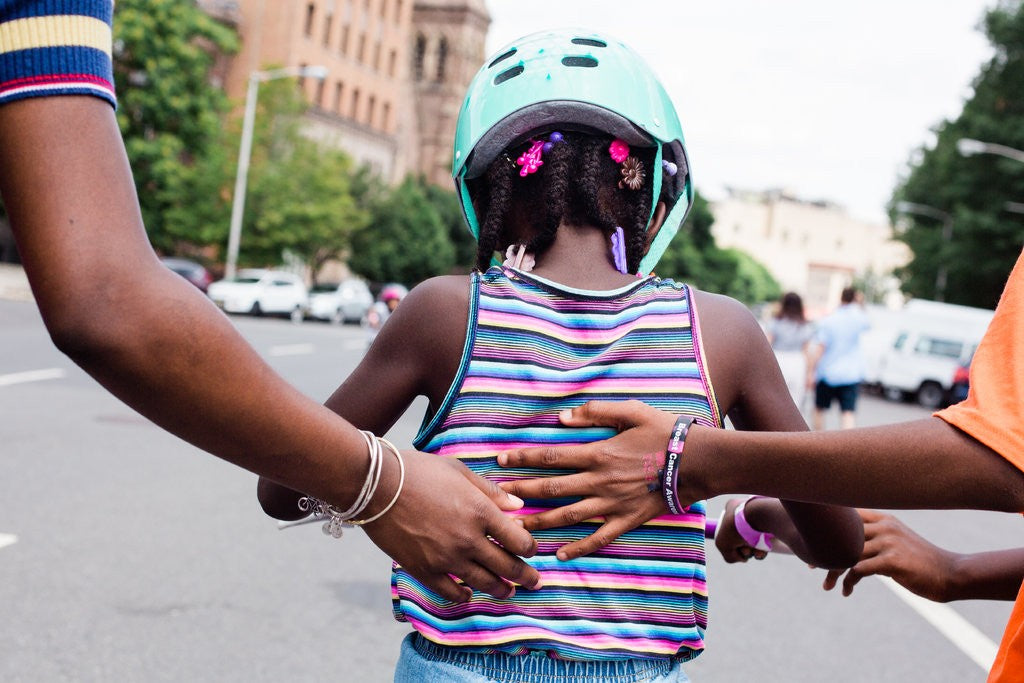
x=838, y=368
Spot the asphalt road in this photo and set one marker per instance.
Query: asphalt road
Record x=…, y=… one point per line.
x=127, y=554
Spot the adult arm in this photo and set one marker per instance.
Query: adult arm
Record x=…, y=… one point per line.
x=373, y=397
x=750, y=387
x=892, y=549
x=68, y=191
x=920, y=464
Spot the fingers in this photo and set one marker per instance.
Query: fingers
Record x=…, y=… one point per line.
x=605, y=534
x=446, y=587
x=619, y=414
x=501, y=497
x=564, y=457
x=831, y=578
x=569, y=485
x=567, y=515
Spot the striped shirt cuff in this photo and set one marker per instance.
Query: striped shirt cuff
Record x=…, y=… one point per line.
x=56, y=47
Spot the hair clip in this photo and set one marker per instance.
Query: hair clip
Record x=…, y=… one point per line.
x=618, y=150
x=632, y=174
x=555, y=137
x=517, y=257
x=619, y=250
x=530, y=159
x=669, y=167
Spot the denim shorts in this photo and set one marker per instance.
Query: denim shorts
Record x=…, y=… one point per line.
x=846, y=394
x=422, y=660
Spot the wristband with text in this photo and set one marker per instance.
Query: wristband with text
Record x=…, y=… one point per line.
x=673, y=454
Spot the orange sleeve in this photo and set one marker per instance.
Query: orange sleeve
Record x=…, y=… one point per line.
x=1009, y=663
x=993, y=412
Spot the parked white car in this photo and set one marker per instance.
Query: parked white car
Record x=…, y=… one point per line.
x=338, y=302
x=931, y=342
x=259, y=291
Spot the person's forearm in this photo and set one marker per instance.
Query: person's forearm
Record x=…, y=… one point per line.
x=922, y=464
x=995, y=575
x=144, y=333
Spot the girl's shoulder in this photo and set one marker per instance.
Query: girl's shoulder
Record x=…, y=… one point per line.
x=437, y=301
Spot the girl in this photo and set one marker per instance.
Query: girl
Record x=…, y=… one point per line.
x=790, y=334
x=569, y=159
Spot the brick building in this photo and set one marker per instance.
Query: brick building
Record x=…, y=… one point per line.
x=396, y=71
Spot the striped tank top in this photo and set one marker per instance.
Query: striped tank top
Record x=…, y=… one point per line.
x=534, y=348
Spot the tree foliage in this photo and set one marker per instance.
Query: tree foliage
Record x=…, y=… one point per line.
x=170, y=115
x=974, y=191
x=693, y=257
x=302, y=196
x=406, y=239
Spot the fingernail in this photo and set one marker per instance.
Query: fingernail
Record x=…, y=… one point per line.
x=515, y=500
x=562, y=557
x=502, y=459
x=565, y=415
x=520, y=522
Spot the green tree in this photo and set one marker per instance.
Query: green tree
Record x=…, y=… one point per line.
x=693, y=257
x=973, y=191
x=303, y=197
x=170, y=115
x=406, y=239
x=450, y=212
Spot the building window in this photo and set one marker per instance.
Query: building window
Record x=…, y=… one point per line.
x=362, y=48
x=442, y=57
x=310, y=17
x=344, y=39
x=385, y=122
x=354, y=113
x=392, y=60
x=419, y=51
x=302, y=79
x=376, y=57
x=339, y=91
x=398, y=11
x=327, y=30
x=320, y=93
x=371, y=106
x=383, y=8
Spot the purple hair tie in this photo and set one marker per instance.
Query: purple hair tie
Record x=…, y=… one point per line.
x=619, y=250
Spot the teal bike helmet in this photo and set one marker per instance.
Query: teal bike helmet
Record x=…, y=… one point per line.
x=572, y=80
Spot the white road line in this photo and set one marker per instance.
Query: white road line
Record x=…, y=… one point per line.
x=31, y=376
x=291, y=350
x=945, y=619
x=7, y=539
x=353, y=345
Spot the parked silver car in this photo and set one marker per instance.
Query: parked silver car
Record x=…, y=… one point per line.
x=338, y=302
x=259, y=291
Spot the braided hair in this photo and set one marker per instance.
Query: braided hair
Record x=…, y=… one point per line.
x=578, y=183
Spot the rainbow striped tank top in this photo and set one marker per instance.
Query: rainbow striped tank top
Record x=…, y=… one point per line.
x=532, y=349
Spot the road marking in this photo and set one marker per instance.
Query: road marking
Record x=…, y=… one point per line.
x=291, y=350
x=353, y=345
x=959, y=631
x=7, y=539
x=31, y=376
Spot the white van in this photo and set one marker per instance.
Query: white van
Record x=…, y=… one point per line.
x=932, y=340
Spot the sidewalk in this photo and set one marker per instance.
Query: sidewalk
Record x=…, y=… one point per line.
x=14, y=284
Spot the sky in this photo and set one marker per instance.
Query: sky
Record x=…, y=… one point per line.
x=826, y=100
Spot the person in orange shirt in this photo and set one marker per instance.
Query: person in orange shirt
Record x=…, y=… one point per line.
x=970, y=455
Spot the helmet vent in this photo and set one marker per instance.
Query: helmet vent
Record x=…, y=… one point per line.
x=508, y=74
x=502, y=57
x=579, y=61
x=592, y=42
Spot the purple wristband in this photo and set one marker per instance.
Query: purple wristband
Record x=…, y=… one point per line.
x=673, y=454
x=759, y=540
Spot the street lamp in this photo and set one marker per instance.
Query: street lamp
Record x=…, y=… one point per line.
x=245, y=152
x=947, y=236
x=969, y=147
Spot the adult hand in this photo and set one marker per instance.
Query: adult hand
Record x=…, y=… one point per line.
x=729, y=541
x=892, y=549
x=439, y=528
x=612, y=476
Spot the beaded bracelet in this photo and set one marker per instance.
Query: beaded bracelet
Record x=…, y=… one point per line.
x=673, y=453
